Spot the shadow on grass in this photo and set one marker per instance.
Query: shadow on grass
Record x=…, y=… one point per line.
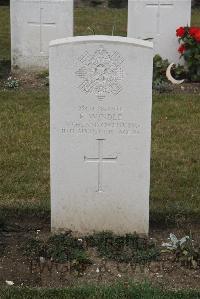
x=5, y=68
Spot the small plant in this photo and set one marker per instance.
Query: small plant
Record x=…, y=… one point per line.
x=128, y=248
x=33, y=248
x=11, y=83
x=175, y=242
x=64, y=247
x=58, y=248
x=185, y=250
x=189, y=39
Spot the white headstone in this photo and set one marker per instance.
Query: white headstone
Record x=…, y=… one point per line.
x=34, y=23
x=159, y=19
x=100, y=88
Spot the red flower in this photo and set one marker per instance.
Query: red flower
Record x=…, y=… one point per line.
x=180, y=31
x=197, y=36
x=193, y=31
x=181, y=49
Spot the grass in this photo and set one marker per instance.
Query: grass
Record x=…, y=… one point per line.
x=24, y=133
x=24, y=159
x=4, y=33
x=175, y=164
x=144, y=291
x=196, y=17
x=102, y=20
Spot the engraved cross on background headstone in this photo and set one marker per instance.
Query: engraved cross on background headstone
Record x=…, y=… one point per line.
x=159, y=5
x=100, y=160
x=41, y=24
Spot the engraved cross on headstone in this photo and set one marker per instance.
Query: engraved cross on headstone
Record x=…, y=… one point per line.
x=100, y=160
x=159, y=5
x=41, y=24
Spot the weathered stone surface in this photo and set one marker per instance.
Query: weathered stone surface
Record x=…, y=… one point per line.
x=100, y=90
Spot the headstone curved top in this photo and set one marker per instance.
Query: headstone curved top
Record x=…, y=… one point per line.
x=34, y=23
x=100, y=102
x=158, y=20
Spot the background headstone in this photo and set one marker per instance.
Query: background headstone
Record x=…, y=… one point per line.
x=101, y=95
x=34, y=24
x=159, y=19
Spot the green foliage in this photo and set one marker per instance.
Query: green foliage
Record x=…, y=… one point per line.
x=160, y=83
x=159, y=68
x=128, y=248
x=59, y=248
x=64, y=247
x=33, y=248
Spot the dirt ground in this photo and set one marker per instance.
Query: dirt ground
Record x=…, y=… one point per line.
x=15, y=267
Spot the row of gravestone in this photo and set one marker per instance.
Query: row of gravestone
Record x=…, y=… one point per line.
x=34, y=23
x=100, y=111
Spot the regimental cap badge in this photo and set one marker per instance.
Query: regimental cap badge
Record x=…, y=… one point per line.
x=101, y=72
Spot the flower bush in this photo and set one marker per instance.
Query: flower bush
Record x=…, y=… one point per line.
x=189, y=49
